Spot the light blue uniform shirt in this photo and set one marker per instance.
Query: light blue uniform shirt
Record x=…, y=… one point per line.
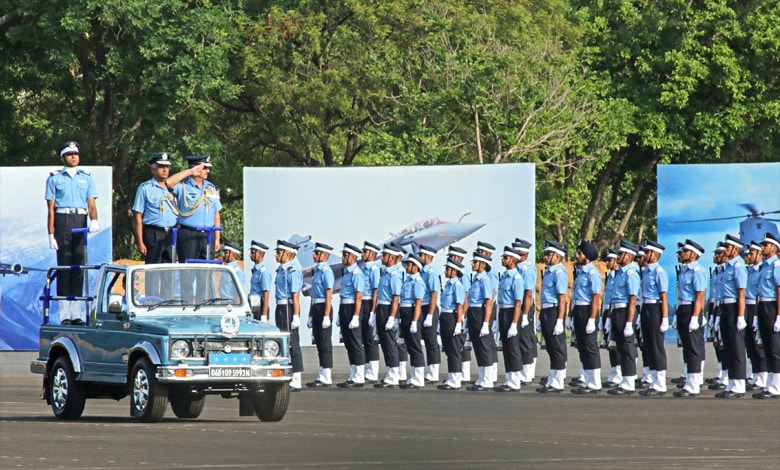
x=715, y=283
x=609, y=287
x=70, y=191
x=322, y=279
x=481, y=288
x=494, y=281
x=156, y=203
x=692, y=280
x=351, y=282
x=554, y=283
x=390, y=283
x=371, y=274
x=511, y=287
x=289, y=280
x=626, y=283
x=769, y=278
x=752, y=285
x=412, y=289
x=734, y=277
x=587, y=283
x=527, y=269
x=654, y=281
x=454, y=294
x=261, y=279
x=227, y=289
x=203, y=201
x=430, y=276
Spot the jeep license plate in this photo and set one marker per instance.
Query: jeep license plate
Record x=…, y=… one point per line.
x=229, y=372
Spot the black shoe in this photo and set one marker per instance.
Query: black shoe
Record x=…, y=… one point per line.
x=409, y=386
x=752, y=387
x=681, y=385
x=685, y=393
x=639, y=384
x=764, y=395
x=620, y=391
x=611, y=384
x=65, y=322
x=543, y=381
x=548, y=390
x=77, y=322
x=505, y=388
x=585, y=391
x=477, y=388
x=384, y=385
x=447, y=387
x=712, y=380
x=370, y=381
x=678, y=380
x=349, y=384
x=431, y=381
x=576, y=383
x=716, y=386
x=295, y=389
x=729, y=394
x=317, y=384
x=651, y=392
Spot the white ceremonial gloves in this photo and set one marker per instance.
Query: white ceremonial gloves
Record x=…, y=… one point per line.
x=712, y=323
x=570, y=323
x=413, y=327
x=338, y=320
x=309, y=322
x=638, y=321
x=524, y=321
x=458, y=329
x=776, y=326
x=558, y=329
x=664, y=324
x=512, y=331
x=428, y=322
x=264, y=318
x=628, y=330
x=296, y=322
x=694, y=324
x=755, y=324
x=674, y=322
x=591, y=326
x=608, y=324
x=390, y=324
x=53, y=242
x=538, y=326
x=354, y=323
x=485, y=330
x=325, y=322
x=371, y=319
x=94, y=226
x=494, y=327
x=741, y=323
x=717, y=324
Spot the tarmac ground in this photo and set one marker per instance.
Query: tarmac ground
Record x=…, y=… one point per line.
x=359, y=428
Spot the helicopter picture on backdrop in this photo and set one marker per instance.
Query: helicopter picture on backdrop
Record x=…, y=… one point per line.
x=25, y=256
x=704, y=202
x=437, y=206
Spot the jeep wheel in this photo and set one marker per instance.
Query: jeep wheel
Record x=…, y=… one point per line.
x=184, y=405
x=65, y=393
x=148, y=397
x=271, y=403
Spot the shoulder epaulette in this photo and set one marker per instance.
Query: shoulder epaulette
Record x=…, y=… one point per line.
x=88, y=173
x=55, y=172
x=696, y=268
x=291, y=269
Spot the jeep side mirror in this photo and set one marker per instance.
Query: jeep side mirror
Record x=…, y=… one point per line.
x=255, y=303
x=115, y=302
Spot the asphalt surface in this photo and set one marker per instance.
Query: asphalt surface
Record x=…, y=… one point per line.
x=359, y=428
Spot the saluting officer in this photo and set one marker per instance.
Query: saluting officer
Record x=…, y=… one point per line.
x=622, y=315
x=555, y=283
x=389, y=296
x=288, y=284
x=769, y=313
x=260, y=283
x=70, y=197
x=615, y=373
x=155, y=215
x=453, y=300
x=586, y=297
x=319, y=321
x=230, y=254
x=487, y=250
x=753, y=345
x=351, y=296
x=430, y=308
x=655, y=317
x=511, y=293
x=412, y=293
x=457, y=254
x=478, y=321
x=370, y=266
x=689, y=316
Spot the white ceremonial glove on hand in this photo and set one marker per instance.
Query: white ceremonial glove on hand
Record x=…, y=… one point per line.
x=371, y=319
x=570, y=323
x=325, y=322
x=94, y=226
x=628, y=330
x=264, y=318
x=428, y=322
x=485, y=330
x=354, y=323
x=53, y=242
x=413, y=327
x=741, y=323
x=776, y=327
x=608, y=324
x=512, y=331
x=524, y=322
x=712, y=323
x=638, y=321
x=309, y=322
x=296, y=322
x=558, y=327
x=338, y=320
x=591, y=326
x=538, y=326
x=458, y=329
x=674, y=322
x=494, y=327
x=755, y=324
x=390, y=324
x=694, y=324
x=717, y=324
x=664, y=325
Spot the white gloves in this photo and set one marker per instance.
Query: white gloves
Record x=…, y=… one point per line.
x=664, y=324
x=538, y=326
x=570, y=323
x=608, y=324
x=428, y=322
x=296, y=322
x=389, y=324
x=325, y=322
x=94, y=226
x=512, y=331
x=712, y=323
x=413, y=327
x=264, y=318
x=309, y=322
x=396, y=322
x=755, y=324
x=591, y=326
x=354, y=323
x=628, y=330
x=776, y=326
x=485, y=330
x=53, y=242
x=524, y=321
x=338, y=320
x=638, y=321
x=558, y=327
x=458, y=329
x=694, y=324
x=674, y=322
x=371, y=319
x=741, y=323
x=494, y=327
x=717, y=324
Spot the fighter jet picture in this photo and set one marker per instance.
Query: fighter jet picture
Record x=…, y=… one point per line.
x=16, y=269
x=754, y=225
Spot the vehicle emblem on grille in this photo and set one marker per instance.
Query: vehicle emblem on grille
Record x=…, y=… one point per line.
x=230, y=324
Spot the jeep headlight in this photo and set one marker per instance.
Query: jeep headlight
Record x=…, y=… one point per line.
x=271, y=348
x=180, y=349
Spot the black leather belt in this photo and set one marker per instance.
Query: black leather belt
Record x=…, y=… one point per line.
x=157, y=229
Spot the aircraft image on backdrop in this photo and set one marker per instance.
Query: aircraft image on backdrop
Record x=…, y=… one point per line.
x=754, y=225
x=433, y=232
x=16, y=269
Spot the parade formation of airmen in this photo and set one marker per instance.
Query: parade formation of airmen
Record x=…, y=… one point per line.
x=397, y=302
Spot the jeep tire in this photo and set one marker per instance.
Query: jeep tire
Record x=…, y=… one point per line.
x=148, y=397
x=271, y=404
x=184, y=404
x=67, y=396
